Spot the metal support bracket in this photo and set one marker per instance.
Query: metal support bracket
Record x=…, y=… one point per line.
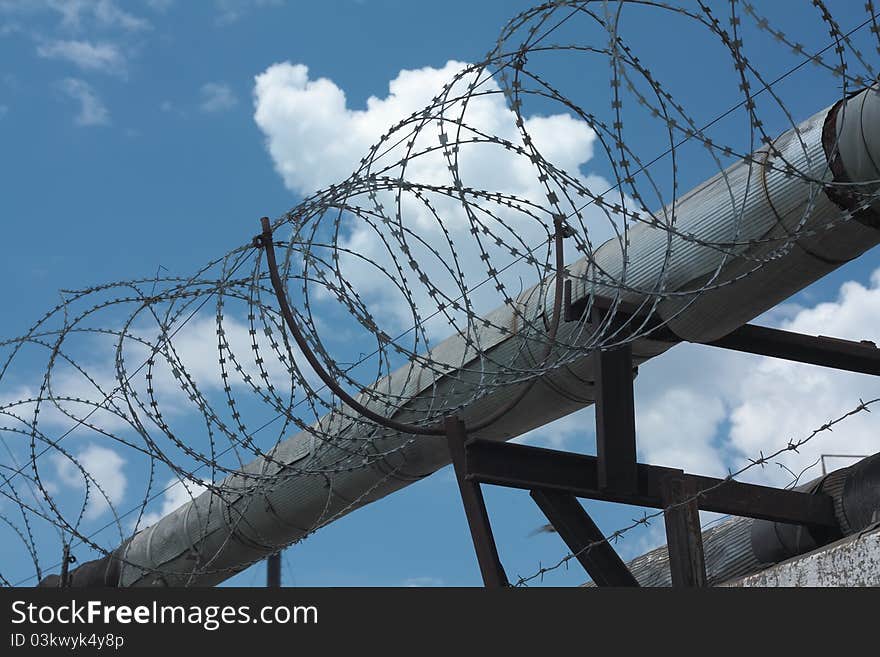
x=615, y=420
x=529, y=468
x=848, y=355
x=583, y=538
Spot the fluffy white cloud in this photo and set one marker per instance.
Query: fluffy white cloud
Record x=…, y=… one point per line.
x=196, y=346
x=678, y=427
x=315, y=140
x=102, y=466
x=92, y=111
x=217, y=97
x=781, y=400
x=104, y=57
x=313, y=137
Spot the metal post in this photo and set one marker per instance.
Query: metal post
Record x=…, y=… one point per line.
x=474, y=508
x=684, y=540
x=273, y=571
x=64, y=580
x=615, y=420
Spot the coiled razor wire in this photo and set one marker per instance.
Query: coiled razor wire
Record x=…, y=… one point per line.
x=190, y=378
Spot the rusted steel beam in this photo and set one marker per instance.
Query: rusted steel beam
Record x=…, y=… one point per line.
x=615, y=419
x=583, y=538
x=863, y=357
x=848, y=355
x=684, y=538
x=522, y=466
x=475, y=508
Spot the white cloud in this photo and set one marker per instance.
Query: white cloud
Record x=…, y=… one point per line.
x=92, y=110
x=678, y=427
x=572, y=432
x=196, y=345
x=104, y=57
x=217, y=97
x=74, y=400
x=229, y=11
x=315, y=139
x=417, y=582
x=76, y=15
x=781, y=400
x=10, y=28
x=101, y=466
x=177, y=493
x=68, y=399
x=683, y=399
x=108, y=13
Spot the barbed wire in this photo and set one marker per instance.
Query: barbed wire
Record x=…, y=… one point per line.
x=397, y=298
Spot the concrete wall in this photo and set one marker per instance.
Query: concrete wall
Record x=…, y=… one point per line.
x=851, y=561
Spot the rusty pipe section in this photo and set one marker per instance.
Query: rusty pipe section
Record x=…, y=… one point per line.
x=706, y=293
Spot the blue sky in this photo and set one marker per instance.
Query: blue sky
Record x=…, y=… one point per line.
x=129, y=142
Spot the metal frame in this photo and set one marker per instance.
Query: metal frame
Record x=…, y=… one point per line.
x=556, y=479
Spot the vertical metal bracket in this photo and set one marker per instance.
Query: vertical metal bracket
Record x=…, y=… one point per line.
x=568, y=313
x=273, y=571
x=615, y=420
x=474, y=508
x=66, y=560
x=684, y=539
